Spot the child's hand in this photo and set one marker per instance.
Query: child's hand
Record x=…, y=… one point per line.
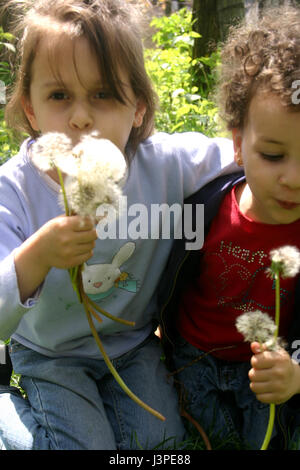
x=63, y=242
x=275, y=376
x=67, y=241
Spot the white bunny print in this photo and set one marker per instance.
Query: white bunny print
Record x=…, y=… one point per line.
x=100, y=280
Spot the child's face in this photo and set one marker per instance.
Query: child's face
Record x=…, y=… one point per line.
x=83, y=104
x=269, y=146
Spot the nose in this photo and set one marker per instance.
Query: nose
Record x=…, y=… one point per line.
x=97, y=284
x=80, y=118
x=290, y=173
x=291, y=178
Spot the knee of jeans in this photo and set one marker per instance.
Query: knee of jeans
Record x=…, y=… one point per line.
x=14, y=433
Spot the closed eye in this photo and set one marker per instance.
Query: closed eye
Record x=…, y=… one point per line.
x=272, y=157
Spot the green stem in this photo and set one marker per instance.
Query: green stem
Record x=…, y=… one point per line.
x=75, y=273
x=88, y=300
x=269, y=428
x=95, y=315
x=108, y=315
x=75, y=286
x=277, y=303
x=72, y=271
x=61, y=180
x=76, y=279
x=277, y=319
x=115, y=373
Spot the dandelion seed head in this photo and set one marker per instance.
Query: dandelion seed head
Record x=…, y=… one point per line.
x=101, y=154
x=285, y=261
x=101, y=169
x=50, y=150
x=256, y=326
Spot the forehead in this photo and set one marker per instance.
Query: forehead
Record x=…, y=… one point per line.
x=74, y=61
x=268, y=117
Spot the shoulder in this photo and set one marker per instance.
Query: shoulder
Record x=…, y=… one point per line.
x=16, y=178
x=186, y=149
x=217, y=188
x=15, y=165
x=184, y=142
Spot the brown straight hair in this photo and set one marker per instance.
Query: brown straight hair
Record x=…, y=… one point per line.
x=112, y=29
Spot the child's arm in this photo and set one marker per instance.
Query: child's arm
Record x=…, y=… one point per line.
x=275, y=376
x=63, y=242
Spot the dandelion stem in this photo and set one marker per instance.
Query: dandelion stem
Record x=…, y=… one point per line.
x=277, y=302
x=112, y=317
x=75, y=287
x=269, y=428
x=277, y=318
x=72, y=271
x=75, y=272
x=76, y=280
x=108, y=361
x=95, y=315
x=61, y=181
x=115, y=373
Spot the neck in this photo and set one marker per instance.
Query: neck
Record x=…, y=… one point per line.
x=244, y=198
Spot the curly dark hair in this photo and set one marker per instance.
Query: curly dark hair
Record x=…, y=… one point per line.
x=262, y=55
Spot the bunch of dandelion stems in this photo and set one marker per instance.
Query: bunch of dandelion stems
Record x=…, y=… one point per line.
x=277, y=317
x=90, y=307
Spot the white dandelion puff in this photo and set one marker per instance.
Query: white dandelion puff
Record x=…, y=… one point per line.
x=51, y=150
x=101, y=152
x=95, y=170
x=285, y=261
x=257, y=326
x=101, y=169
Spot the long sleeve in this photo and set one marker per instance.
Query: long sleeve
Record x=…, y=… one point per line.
x=12, y=227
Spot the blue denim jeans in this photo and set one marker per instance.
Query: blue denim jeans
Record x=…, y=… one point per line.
x=75, y=403
x=217, y=394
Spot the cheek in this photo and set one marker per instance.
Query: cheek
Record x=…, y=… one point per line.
x=120, y=133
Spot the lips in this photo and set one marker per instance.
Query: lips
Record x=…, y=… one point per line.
x=288, y=205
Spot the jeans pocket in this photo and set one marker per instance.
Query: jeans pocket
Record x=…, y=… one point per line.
x=15, y=346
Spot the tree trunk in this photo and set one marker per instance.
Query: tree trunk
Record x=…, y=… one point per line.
x=229, y=13
x=207, y=24
x=168, y=7
x=212, y=20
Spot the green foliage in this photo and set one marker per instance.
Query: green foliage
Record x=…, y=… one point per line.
x=8, y=143
x=173, y=29
x=184, y=106
x=6, y=40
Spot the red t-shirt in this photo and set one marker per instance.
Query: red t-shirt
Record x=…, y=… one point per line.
x=233, y=280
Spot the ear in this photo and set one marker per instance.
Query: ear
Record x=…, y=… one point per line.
x=28, y=110
x=237, y=145
x=139, y=113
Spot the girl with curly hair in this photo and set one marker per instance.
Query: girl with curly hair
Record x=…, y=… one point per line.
x=227, y=384
x=80, y=71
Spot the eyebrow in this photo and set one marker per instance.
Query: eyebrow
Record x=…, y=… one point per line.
x=58, y=84
x=51, y=84
x=271, y=141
